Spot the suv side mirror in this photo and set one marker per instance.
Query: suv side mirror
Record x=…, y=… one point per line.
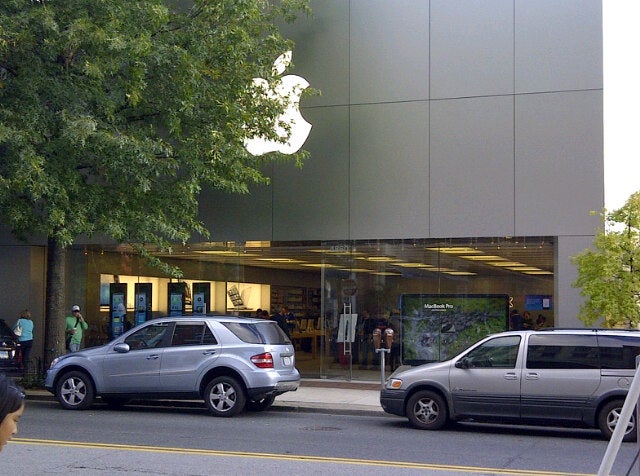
x=122, y=348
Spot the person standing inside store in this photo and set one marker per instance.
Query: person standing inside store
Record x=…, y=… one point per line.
x=281, y=319
x=516, y=321
x=75, y=326
x=23, y=328
x=366, y=340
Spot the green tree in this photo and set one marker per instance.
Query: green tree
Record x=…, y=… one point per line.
x=115, y=113
x=608, y=274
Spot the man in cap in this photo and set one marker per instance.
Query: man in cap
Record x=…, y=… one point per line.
x=74, y=327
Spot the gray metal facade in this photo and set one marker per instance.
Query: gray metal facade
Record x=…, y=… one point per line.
x=441, y=118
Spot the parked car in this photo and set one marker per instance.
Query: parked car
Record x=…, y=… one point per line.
x=229, y=362
x=10, y=355
x=553, y=377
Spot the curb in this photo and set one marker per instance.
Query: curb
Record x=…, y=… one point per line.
x=38, y=395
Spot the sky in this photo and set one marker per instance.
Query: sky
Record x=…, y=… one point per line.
x=621, y=100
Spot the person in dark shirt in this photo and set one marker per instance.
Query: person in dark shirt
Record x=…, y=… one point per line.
x=516, y=321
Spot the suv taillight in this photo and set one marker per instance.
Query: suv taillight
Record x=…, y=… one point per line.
x=263, y=361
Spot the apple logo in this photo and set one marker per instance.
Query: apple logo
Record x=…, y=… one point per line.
x=289, y=89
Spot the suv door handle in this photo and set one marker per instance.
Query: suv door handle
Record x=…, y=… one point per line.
x=209, y=352
x=510, y=376
x=153, y=357
x=532, y=376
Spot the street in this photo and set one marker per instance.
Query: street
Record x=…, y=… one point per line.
x=184, y=440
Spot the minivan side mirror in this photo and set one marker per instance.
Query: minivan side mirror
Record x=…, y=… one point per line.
x=463, y=363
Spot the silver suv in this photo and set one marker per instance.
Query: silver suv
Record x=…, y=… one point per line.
x=229, y=362
x=557, y=377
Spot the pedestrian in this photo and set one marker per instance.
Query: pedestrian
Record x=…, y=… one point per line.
x=281, y=319
x=11, y=408
x=516, y=321
x=23, y=328
x=366, y=340
x=75, y=325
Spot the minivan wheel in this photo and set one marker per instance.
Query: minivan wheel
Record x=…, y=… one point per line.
x=261, y=404
x=224, y=397
x=608, y=419
x=426, y=410
x=75, y=391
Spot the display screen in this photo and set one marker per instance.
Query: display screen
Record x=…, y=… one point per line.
x=436, y=327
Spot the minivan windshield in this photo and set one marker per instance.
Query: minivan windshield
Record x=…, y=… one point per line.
x=258, y=333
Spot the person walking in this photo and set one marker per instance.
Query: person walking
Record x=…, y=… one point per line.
x=75, y=325
x=23, y=328
x=11, y=408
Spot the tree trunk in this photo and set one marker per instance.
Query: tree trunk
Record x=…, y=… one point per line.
x=55, y=310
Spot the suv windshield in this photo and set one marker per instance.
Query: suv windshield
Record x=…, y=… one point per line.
x=258, y=333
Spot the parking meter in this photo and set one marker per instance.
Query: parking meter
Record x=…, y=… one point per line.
x=388, y=337
x=377, y=338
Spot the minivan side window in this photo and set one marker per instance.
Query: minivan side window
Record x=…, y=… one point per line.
x=618, y=352
x=562, y=351
x=501, y=352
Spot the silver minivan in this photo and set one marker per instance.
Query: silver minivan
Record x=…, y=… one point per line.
x=552, y=377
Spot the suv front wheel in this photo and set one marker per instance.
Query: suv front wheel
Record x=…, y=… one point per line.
x=75, y=391
x=426, y=410
x=224, y=397
x=609, y=417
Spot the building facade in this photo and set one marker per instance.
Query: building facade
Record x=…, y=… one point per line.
x=456, y=150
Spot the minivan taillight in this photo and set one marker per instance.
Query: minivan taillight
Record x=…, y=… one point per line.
x=263, y=361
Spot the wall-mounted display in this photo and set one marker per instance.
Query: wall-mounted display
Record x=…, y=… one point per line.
x=118, y=308
x=201, y=298
x=434, y=327
x=176, y=298
x=143, y=300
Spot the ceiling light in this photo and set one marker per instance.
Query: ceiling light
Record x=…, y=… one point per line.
x=455, y=250
x=413, y=265
x=319, y=265
x=506, y=264
x=379, y=259
x=281, y=260
x=484, y=258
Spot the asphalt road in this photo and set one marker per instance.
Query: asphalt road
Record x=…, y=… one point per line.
x=187, y=441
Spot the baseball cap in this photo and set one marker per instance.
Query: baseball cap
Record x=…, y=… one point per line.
x=75, y=308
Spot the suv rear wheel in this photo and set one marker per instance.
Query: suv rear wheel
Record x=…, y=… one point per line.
x=426, y=410
x=609, y=417
x=75, y=391
x=224, y=397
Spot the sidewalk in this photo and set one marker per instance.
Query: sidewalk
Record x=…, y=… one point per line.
x=342, y=397
x=313, y=395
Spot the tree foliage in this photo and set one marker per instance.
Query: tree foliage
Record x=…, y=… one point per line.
x=114, y=114
x=608, y=274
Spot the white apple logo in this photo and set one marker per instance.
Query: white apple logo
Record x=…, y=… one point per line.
x=289, y=89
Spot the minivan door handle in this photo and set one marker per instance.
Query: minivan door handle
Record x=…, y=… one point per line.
x=510, y=376
x=532, y=376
